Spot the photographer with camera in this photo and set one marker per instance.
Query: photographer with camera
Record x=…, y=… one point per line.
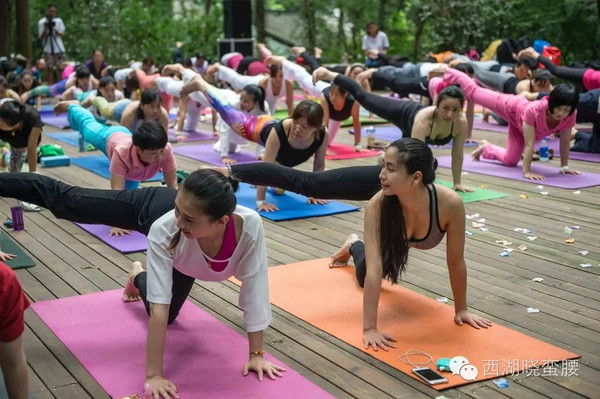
x=51, y=29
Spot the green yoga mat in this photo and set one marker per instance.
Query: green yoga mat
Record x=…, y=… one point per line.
x=8, y=246
x=478, y=195
x=282, y=114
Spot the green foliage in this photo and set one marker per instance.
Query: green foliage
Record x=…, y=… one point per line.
x=130, y=29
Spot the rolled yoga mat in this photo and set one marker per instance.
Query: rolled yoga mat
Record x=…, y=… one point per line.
x=203, y=357
x=552, y=174
x=205, y=153
x=291, y=205
x=10, y=247
x=100, y=165
x=332, y=301
x=134, y=242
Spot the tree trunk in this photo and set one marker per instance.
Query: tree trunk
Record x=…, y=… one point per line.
x=598, y=3
x=260, y=21
x=418, y=33
x=381, y=18
x=23, y=29
x=6, y=13
x=341, y=32
x=312, y=36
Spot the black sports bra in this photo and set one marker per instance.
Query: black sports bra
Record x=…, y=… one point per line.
x=442, y=141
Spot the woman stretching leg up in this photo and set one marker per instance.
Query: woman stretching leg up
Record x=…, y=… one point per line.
x=429, y=124
x=527, y=121
x=289, y=142
x=197, y=232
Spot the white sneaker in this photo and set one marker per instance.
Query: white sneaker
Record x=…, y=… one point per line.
x=27, y=207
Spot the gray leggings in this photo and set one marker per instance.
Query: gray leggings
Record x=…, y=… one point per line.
x=494, y=80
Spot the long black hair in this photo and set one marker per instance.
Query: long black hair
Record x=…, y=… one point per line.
x=214, y=193
x=415, y=155
x=148, y=96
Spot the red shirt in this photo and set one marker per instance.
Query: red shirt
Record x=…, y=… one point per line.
x=13, y=303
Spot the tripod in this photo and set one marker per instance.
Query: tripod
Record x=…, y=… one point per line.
x=50, y=37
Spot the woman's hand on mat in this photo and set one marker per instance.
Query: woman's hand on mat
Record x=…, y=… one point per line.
x=267, y=207
x=4, y=256
x=160, y=388
x=533, y=176
x=228, y=161
x=460, y=187
x=570, y=172
x=472, y=319
x=115, y=231
x=316, y=201
x=260, y=366
x=378, y=340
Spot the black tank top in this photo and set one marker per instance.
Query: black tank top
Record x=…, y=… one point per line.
x=290, y=157
x=443, y=140
x=342, y=114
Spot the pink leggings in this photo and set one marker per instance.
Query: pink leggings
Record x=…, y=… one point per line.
x=506, y=106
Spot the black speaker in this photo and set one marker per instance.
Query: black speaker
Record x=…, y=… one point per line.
x=244, y=46
x=237, y=18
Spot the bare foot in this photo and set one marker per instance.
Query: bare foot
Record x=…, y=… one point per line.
x=322, y=73
x=195, y=84
x=318, y=52
x=211, y=70
x=475, y=155
x=341, y=257
x=63, y=107
x=131, y=293
x=274, y=60
x=486, y=115
x=297, y=50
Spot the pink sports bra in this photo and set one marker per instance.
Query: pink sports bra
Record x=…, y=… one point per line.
x=220, y=262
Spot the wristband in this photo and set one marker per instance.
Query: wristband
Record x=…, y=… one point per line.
x=563, y=169
x=259, y=203
x=260, y=353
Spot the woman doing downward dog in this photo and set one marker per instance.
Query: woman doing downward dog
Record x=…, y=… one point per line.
x=434, y=125
x=527, y=121
x=289, y=142
x=198, y=232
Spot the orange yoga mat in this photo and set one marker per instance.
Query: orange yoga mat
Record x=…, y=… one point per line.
x=331, y=300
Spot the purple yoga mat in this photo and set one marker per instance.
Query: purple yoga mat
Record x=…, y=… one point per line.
x=552, y=173
x=203, y=357
x=479, y=124
x=554, y=144
x=206, y=154
x=134, y=242
x=59, y=121
x=198, y=135
x=392, y=133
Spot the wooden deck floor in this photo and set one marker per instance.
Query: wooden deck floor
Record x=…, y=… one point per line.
x=72, y=262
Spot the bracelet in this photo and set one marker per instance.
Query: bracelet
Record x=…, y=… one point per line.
x=259, y=203
x=260, y=353
x=564, y=168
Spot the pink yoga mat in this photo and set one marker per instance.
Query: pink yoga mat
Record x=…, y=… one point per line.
x=205, y=153
x=343, y=151
x=552, y=173
x=492, y=126
x=198, y=135
x=134, y=242
x=203, y=357
x=554, y=144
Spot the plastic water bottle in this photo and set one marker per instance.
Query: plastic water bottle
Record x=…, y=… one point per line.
x=16, y=211
x=544, y=151
x=370, y=130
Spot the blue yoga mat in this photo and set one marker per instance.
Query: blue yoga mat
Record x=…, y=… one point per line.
x=59, y=121
x=291, y=206
x=70, y=138
x=100, y=165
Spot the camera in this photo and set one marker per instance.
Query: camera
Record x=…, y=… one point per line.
x=50, y=23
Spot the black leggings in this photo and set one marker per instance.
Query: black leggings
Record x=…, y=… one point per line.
x=400, y=113
x=403, y=87
x=358, y=183
x=314, y=63
x=357, y=250
x=563, y=72
x=182, y=285
x=126, y=209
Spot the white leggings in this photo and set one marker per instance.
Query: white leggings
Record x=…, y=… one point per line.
x=237, y=81
x=295, y=72
x=333, y=127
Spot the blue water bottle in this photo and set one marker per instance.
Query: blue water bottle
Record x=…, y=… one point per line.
x=544, y=151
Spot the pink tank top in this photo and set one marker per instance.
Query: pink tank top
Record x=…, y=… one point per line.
x=220, y=262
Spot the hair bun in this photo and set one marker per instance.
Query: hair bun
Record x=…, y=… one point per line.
x=235, y=183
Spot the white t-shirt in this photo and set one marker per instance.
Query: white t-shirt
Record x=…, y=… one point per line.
x=378, y=42
x=53, y=42
x=248, y=264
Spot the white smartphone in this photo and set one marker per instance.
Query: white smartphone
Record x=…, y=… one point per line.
x=429, y=375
